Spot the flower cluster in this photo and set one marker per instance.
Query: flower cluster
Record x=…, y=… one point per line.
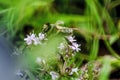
x=74, y=46
x=67, y=51
x=33, y=39
x=95, y=71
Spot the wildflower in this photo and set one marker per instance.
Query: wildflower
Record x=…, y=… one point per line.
x=74, y=70
x=54, y=75
x=20, y=73
x=36, y=41
x=62, y=46
x=75, y=47
x=41, y=36
x=32, y=36
x=71, y=38
x=39, y=60
x=28, y=40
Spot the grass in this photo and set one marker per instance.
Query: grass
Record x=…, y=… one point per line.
x=94, y=25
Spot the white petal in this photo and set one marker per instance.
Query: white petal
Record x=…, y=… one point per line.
x=28, y=40
x=62, y=46
x=70, y=38
x=54, y=75
x=39, y=60
x=41, y=36
x=32, y=36
x=36, y=41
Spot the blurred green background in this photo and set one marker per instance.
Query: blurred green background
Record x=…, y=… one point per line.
x=98, y=22
x=18, y=18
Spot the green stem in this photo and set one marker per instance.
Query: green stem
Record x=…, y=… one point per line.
x=111, y=50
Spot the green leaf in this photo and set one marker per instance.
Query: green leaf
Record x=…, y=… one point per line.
x=104, y=74
x=113, y=4
x=94, y=49
x=113, y=39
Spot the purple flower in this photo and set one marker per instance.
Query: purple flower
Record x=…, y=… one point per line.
x=32, y=38
x=75, y=47
x=41, y=36
x=28, y=40
x=36, y=41
x=54, y=75
x=71, y=38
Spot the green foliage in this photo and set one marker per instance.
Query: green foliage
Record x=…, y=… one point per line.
x=106, y=69
x=92, y=24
